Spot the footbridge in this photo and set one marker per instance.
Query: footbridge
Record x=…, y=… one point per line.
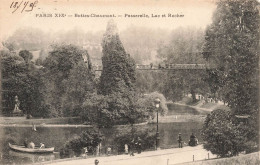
x=98, y=68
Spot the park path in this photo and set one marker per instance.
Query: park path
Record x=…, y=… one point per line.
x=159, y=157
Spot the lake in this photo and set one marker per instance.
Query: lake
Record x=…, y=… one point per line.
x=57, y=136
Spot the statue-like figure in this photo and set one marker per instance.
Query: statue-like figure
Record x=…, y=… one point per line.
x=16, y=105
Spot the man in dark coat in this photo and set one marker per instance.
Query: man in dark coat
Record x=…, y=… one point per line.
x=192, y=141
x=180, y=140
x=132, y=147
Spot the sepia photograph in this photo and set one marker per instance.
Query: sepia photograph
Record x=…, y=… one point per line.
x=127, y=82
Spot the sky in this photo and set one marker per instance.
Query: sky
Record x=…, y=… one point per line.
x=196, y=14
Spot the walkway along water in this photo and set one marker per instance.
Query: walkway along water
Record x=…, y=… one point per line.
x=159, y=157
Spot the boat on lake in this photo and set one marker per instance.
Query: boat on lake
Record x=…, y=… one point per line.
x=31, y=150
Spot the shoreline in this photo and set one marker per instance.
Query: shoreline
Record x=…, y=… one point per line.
x=65, y=121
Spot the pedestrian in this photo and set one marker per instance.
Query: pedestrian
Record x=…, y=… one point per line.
x=109, y=151
x=132, y=146
x=151, y=65
x=34, y=127
x=126, y=149
x=180, y=140
x=84, y=152
x=139, y=145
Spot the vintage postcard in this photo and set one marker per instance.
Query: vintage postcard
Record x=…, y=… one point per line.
x=127, y=82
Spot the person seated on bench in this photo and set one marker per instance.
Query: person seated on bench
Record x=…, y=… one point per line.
x=192, y=141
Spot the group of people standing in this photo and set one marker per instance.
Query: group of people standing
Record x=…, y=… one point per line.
x=135, y=145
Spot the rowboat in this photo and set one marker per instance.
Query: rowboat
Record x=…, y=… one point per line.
x=31, y=150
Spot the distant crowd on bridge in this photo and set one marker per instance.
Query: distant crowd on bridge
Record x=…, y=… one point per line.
x=161, y=66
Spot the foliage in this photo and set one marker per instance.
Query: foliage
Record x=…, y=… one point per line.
x=89, y=139
x=126, y=134
x=79, y=83
x=142, y=42
x=68, y=79
x=183, y=48
x=117, y=81
x=231, y=47
x=21, y=79
x=147, y=104
x=26, y=55
x=150, y=81
x=118, y=73
x=11, y=46
x=222, y=137
x=28, y=38
x=96, y=109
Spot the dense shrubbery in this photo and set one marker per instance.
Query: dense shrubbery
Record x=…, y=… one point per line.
x=221, y=136
x=96, y=109
x=89, y=139
x=126, y=134
x=147, y=104
x=225, y=138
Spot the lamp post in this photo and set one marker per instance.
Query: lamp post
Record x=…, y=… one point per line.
x=157, y=105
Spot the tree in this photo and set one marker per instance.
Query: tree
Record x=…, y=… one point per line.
x=117, y=81
x=184, y=48
x=118, y=67
x=96, y=111
x=20, y=78
x=29, y=39
x=147, y=104
x=150, y=81
x=68, y=79
x=142, y=42
x=26, y=55
x=231, y=48
x=222, y=137
x=79, y=83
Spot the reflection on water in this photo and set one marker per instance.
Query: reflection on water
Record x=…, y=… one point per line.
x=32, y=158
x=175, y=109
x=56, y=137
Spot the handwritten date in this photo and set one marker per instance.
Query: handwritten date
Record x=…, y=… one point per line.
x=26, y=6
